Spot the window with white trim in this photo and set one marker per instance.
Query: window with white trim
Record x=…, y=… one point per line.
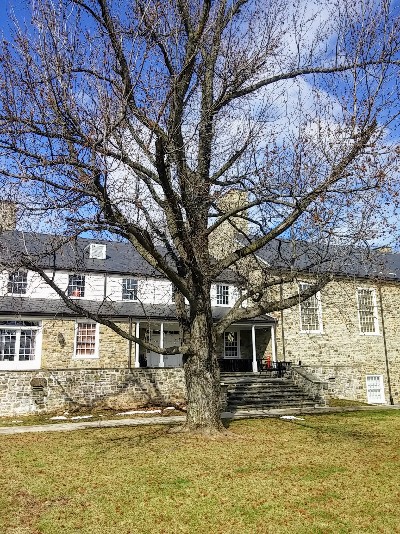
x=19, y=346
x=231, y=345
x=310, y=311
x=367, y=311
x=17, y=283
x=375, y=390
x=86, y=339
x=76, y=285
x=222, y=295
x=129, y=289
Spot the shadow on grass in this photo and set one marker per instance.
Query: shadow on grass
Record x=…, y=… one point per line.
x=133, y=437
x=340, y=432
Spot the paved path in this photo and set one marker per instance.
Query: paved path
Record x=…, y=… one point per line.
x=179, y=419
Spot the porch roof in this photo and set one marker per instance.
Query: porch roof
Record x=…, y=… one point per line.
x=23, y=306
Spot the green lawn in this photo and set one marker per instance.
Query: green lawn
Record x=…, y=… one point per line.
x=326, y=474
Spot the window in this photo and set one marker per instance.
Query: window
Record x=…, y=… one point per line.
x=86, y=340
x=310, y=312
x=222, y=295
x=375, y=391
x=231, y=345
x=17, y=283
x=19, y=344
x=129, y=289
x=76, y=285
x=367, y=311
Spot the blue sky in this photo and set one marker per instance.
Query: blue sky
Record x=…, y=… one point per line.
x=19, y=7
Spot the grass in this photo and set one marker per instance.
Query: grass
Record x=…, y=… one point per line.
x=324, y=474
x=338, y=403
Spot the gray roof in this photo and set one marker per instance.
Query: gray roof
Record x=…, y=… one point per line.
x=51, y=252
x=26, y=306
x=320, y=258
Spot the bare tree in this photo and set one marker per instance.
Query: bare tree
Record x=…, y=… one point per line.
x=137, y=118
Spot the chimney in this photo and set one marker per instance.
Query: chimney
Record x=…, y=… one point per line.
x=223, y=239
x=8, y=215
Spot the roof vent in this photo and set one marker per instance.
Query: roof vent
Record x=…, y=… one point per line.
x=97, y=251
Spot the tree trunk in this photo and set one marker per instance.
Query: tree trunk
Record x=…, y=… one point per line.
x=203, y=379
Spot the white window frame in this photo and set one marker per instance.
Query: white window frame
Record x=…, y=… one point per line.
x=237, y=334
x=375, y=311
x=134, y=291
x=18, y=328
x=71, y=286
x=93, y=356
x=220, y=294
x=317, y=297
x=24, y=284
x=370, y=398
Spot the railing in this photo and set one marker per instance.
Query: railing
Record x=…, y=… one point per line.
x=278, y=369
x=245, y=365
x=235, y=365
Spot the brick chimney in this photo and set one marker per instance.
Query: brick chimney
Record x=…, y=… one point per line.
x=8, y=215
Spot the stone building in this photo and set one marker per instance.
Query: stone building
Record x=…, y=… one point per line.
x=347, y=335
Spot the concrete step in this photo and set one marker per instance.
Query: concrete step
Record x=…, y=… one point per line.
x=262, y=388
x=262, y=398
x=269, y=406
x=252, y=391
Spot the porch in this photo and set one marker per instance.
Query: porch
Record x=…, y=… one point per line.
x=243, y=348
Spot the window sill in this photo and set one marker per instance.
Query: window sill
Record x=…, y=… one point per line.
x=86, y=357
x=316, y=332
x=370, y=334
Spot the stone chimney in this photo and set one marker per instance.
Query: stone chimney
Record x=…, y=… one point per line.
x=8, y=215
x=223, y=239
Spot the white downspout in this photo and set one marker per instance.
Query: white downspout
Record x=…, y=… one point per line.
x=161, y=364
x=253, y=342
x=273, y=347
x=137, y=332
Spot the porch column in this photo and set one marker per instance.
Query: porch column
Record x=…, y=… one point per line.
x=161, y=364
x=137, y=332
x=273, y=346
x=253, y=343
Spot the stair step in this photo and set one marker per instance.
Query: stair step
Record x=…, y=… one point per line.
x=246, y=391
x=269, y=406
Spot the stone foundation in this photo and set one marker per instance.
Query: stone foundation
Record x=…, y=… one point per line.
x=24, y=392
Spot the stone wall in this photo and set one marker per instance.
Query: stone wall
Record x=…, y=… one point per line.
x=58, y=347
x=341, y=355
x=23, y=392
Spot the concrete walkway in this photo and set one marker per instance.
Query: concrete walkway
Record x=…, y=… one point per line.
x=180, y=419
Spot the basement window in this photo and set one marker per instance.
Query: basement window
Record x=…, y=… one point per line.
x=375, y=390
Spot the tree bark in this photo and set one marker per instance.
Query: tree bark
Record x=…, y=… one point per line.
x=203, y=378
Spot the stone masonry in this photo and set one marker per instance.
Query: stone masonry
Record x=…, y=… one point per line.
x=56, y=390
x=58, y=347
x=341, y=355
